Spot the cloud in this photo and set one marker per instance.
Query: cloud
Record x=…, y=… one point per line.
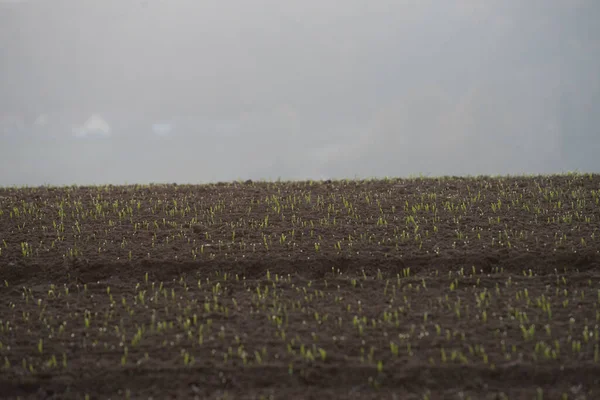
x=11, y=124
x=162, y=129
x=42, y=120
x=95, y=126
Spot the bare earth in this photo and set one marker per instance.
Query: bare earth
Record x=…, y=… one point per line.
x=481, y=288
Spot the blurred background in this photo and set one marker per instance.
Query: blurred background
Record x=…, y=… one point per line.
x=191, y=91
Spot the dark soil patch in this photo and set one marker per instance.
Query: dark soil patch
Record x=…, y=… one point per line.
x=425, y=288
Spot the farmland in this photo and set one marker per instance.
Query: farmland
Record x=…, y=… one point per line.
x=423, y=288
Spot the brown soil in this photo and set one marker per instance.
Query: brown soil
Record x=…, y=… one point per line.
x=188, y=292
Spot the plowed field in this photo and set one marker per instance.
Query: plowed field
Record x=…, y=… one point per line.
x=449, y=288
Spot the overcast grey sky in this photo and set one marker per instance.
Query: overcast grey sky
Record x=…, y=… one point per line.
x=198, y=90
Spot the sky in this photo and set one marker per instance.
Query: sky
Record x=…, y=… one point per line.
x=193, y=91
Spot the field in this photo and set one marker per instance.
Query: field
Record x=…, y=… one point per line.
x=424, y=288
